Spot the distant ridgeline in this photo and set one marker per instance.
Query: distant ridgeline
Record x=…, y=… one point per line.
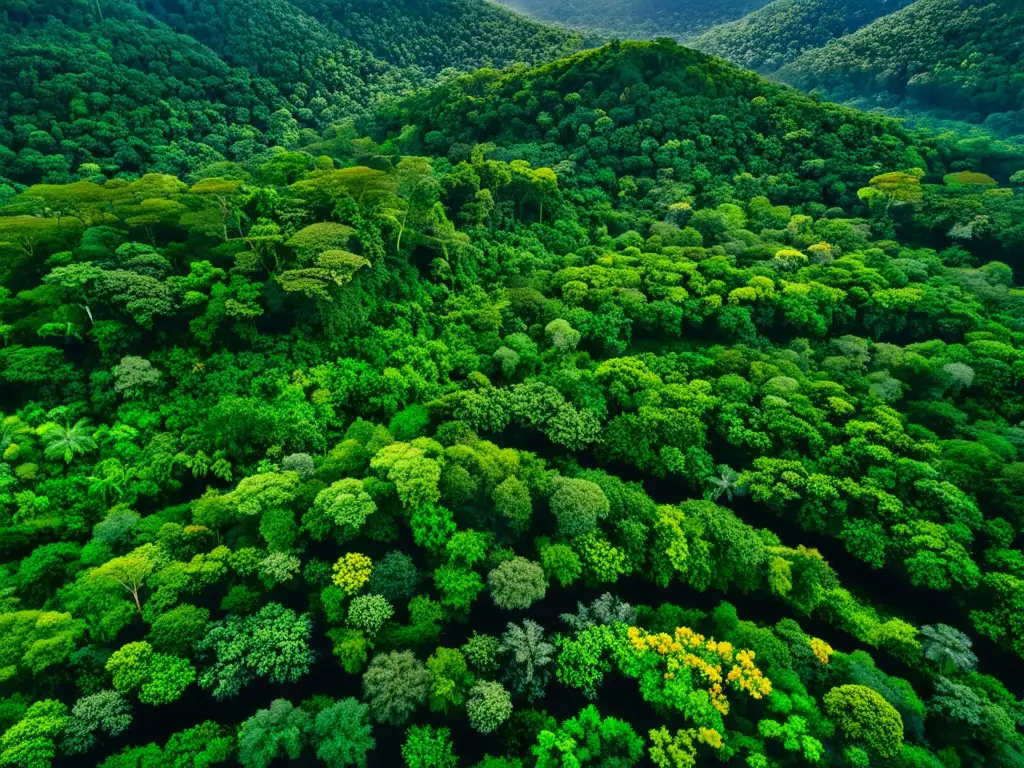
x=638, y=19
x=133, y=87
x=953, y=62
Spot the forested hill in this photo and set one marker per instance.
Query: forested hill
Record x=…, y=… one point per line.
x=951, y=60
x=123, y=87
x=638, y=19
x=638, y=105
x=625, y=410
x=958, y=59
x=779, y=32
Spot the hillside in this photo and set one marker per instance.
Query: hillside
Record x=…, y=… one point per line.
x=778, y=33
x=949, y=64
x=107, y=84
x=624, y=410
x=637, y=19
x=956, y=59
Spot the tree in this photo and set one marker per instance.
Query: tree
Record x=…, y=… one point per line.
x=351, y=648
x=450, y=677
x=280, y=731
x=458, y=586
x=133, y=375
x=367, y=613
x=67, y=441
x=726, y=483
x=413, y=469
x=529, y=658
x=395, y=684
x=679, y=750
x=865, y=717
x=578, y=504
x=351, y=572
x=343, y=735
x=180, y=629
x=159, y=678
x=204, y=744
x=130, y=571
x=517, y=583
x=35, y=641
x=948, y=647
x=106, y=712
x=432, y=525
x=31, y=741
x=330, y=271
x=314, y=239
x=587, y=739
x=489, y=706
x=428, y=747
x=893, y=188
x=561, y=336
x=512, y=501
x=111, y=480
x=76, y=282
x=483, y=652
x=272, y=643
x=395, y=577
x=343, y=507
x=561, y=563
x=606, y=609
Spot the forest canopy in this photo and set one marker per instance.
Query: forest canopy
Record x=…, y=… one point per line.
x=622, y=410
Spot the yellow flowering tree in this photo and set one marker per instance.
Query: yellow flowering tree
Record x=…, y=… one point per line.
x=686, y=672
x=822, y=650
x=352, y=571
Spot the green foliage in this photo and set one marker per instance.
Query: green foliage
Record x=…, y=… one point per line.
x=272, y=643
x=367, y=613
x=517, y=583
x=578, y=504
x=638, y=261
x=342, y=734
x=280, y=731
x=180, y=629
x=254, y=94
x=159, y=678
x=395, y=683
x=31, y=742
x=639, y=21
x=395, y=577
x=944, y=32
x=864, y=716
x=529, y=658
x=589, y=739
x=489, y=705
x=449, y=679
x=105, y=712
x=482, y=652
x=426, y=747
x=776, y=34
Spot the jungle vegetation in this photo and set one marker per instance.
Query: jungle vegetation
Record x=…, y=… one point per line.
x=623, y=410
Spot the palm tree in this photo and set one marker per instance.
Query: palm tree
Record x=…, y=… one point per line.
x=110, y=480
x=949, y=648
x=65, y=441
x=528, y=670
x=606, y=609
x=727, y=482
